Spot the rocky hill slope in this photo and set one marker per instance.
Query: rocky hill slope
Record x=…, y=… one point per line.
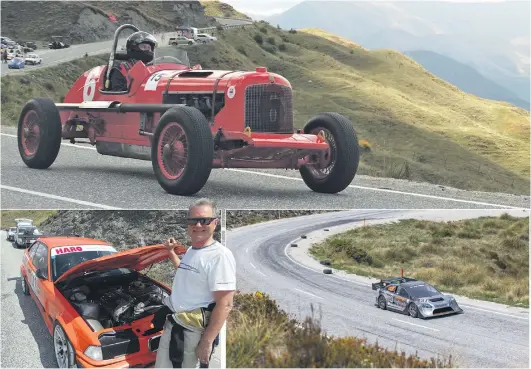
x=89, y=21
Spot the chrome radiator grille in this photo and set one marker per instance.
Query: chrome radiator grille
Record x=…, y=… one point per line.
x=269, y=108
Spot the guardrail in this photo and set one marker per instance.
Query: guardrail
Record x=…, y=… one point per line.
x=208, y=29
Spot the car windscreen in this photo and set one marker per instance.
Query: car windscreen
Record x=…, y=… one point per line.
x=67, y=257
x=422, y=290
x=27, y=231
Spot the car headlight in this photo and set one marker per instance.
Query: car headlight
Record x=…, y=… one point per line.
x=94, y=352
x=426, y=306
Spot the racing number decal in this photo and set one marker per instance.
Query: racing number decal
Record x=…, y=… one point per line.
x=151, y=84
x=90, y=84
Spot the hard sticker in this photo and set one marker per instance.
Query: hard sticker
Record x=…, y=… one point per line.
x=83, y=248
x=90, y=84
x=153, y=81
x=231, y=92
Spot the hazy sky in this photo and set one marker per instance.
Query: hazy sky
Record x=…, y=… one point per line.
x=268, y=7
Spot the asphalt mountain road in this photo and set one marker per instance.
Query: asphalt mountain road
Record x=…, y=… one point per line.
x=53, y=57
x=26, y=342
x=81, y=178
x=486, y=335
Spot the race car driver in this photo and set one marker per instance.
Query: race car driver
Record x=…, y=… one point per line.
x=140, y=46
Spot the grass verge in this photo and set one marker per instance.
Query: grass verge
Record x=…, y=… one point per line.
x=485, y=258
x=260, y=334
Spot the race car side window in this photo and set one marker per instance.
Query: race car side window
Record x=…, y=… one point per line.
x=32, y=250
x=39, y=259
x=402, y=292
x=391, y=289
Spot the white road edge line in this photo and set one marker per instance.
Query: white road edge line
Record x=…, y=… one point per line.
x=367, y=285
x=494, y=312
x=308, y=293
x=384, y=190
x=416, y=325
x=257, y=269
x=350, y=186
x=313, y=270
x=55, y=197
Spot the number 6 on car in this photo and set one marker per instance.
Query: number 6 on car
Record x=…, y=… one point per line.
x=187, y=120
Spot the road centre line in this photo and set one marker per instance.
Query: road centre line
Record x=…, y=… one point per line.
x=350, y=186
x=416, y=325
x=55, y=197
x=308, y=293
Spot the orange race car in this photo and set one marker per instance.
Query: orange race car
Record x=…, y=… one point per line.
x=94, y=300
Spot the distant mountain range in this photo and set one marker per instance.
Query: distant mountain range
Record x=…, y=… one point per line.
x=464, y=77
x=490, y=39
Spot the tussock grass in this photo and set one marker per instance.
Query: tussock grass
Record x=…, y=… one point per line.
x=485, y=258
x=260, y=334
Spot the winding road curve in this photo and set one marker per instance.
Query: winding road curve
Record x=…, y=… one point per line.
x=486, y=335
x=26, y=342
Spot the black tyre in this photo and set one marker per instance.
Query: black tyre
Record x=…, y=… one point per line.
x=39, y=133
x=382, y=303
x=343, y=158
x=182, y=151
x=64, y=352
x=327, y=271
x=25, y=287
x=413, y=311
x=324, y=262
x=294, y=245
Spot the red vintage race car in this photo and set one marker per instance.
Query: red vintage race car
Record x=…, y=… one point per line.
x=94, y=301
x=187, y=120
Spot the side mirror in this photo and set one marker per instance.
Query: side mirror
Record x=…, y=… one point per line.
x=40, y=274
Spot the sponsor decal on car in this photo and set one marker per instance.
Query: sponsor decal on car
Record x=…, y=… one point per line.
x=70, y=249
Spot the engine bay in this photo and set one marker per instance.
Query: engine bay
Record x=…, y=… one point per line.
x=114, y=304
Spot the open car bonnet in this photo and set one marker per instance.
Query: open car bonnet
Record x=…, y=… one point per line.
x=136, y=259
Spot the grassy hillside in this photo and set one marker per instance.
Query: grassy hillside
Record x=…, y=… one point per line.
x=214, y=8
x=38, y=216
x=411, y=124
x=485, y=258
x=261, y=335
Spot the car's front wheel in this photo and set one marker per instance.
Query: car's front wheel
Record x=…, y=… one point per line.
x=25, y=287
x=382, y=304
x=64, y=352
x=413, y=311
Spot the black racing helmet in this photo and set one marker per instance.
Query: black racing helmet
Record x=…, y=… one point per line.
x=137, y=49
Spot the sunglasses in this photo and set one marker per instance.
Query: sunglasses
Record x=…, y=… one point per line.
x=202, y=221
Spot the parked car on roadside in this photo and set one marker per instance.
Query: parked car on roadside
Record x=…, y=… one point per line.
x=11, y=233
x=33, y=59
x=180, y=40
x=204, y=38
x=16, y=63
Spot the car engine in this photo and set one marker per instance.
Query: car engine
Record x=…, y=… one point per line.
x=117, y=305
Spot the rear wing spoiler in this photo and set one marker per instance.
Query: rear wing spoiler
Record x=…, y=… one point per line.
x=388, y=281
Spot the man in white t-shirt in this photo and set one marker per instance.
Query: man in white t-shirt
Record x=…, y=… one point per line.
x=202, y=293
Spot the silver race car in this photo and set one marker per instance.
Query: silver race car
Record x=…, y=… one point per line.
x=416, y=298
